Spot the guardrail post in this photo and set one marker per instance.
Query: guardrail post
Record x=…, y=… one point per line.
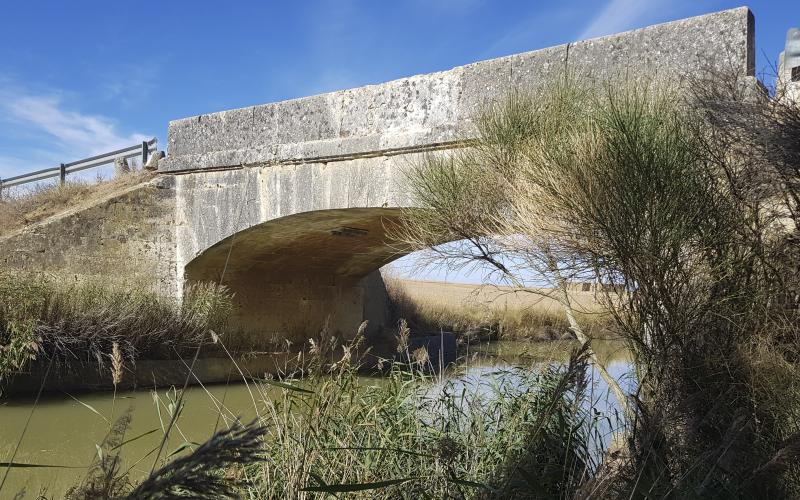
x=1, y=188
x=145, y=150
x=63, y=174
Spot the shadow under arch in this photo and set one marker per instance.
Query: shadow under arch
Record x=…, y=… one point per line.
x=293, y=274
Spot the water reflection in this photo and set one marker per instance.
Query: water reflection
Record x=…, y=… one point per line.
x=490, y=366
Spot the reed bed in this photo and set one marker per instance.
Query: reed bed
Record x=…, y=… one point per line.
x=45, y=317
x=521, y=433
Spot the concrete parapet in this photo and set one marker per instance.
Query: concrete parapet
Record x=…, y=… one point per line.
x=435, y=110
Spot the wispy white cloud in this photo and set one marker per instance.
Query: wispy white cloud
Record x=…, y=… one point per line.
x=622, y=15
x=71, y=129
x=39, y=128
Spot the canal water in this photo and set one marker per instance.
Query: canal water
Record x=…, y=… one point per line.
x=64, y=429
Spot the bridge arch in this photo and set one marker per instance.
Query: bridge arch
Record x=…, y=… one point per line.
x=292, y=274
x=292, y=172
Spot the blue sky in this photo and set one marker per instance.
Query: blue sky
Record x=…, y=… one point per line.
x=82, y=77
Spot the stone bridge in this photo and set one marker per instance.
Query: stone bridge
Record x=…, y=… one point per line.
x=287, y=203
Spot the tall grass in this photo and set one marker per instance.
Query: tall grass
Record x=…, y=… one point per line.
x=523, y=434
x=685, y=204
x=84, y=323
x=519, y=433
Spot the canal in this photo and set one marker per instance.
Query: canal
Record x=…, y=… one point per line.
x=65, y=429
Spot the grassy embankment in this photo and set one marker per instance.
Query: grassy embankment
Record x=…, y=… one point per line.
x=31, y=205
x=68, y=324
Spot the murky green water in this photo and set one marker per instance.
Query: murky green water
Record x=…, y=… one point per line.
x=63, y=430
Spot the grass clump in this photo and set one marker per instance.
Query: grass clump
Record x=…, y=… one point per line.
x=45, y=317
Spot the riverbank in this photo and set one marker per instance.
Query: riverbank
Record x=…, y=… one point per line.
x=55, y=324
x=215, y=364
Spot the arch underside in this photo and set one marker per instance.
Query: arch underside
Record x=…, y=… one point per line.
x=292, y=275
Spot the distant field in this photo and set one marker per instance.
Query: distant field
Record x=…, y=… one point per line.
x=528, y=313
x=492, y=296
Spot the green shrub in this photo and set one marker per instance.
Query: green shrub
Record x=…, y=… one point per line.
x=686, y=208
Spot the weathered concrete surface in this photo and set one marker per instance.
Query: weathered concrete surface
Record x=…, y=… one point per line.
x=269, y=233
x=296, y=274
x=789, y=67
x=430, y=110
x=127, y=235
x=213, y=205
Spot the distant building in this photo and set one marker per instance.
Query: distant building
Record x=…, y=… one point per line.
x=789, y=69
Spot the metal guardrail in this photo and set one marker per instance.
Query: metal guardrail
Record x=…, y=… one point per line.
x=142, y=150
